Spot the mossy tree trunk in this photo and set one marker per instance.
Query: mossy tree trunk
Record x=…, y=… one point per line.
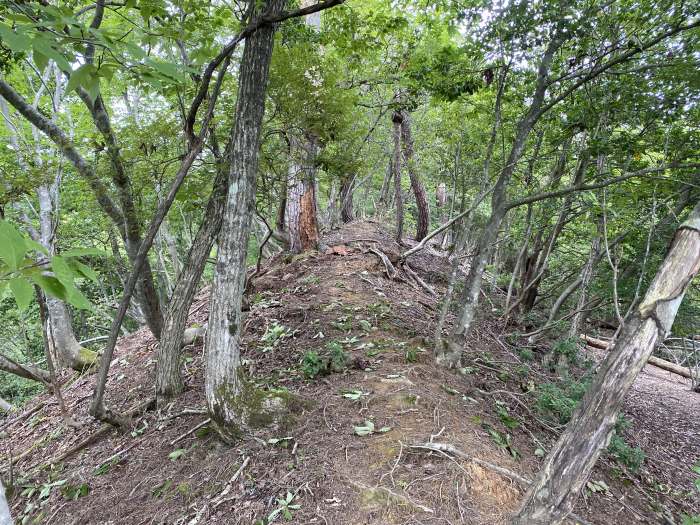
x=223, y=382
x=552, y=495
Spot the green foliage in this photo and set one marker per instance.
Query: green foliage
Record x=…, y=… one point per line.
x=285, y=508
x=25, y=263
x=557, y=401
x=333, y=360
x=312, y=365
x=274, y=335
x=631, y=457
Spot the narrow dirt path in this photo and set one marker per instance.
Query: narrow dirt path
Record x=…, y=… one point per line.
x=665, y=414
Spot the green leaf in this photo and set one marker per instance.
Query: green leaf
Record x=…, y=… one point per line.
x=13, y=245
x=83, y=269
x=42, y=44
x=81, y=77
x=176, y=454
x=22, y=291
x=17, y=42
x=51, y=286
x=41, y=60
x=364, y=430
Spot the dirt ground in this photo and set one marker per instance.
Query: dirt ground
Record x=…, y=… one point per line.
x=169, y=467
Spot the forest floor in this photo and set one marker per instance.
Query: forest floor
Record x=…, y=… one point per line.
x=170, y=468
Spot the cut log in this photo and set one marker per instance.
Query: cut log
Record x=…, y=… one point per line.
x=661, y=363
x=670, y=367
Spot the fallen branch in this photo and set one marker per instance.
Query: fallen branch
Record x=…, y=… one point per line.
x=658, y=362
x=221, y=498
x=388, y=266
x=104, y=429
x=190, y=431
x=447, y=448
x=418, y=280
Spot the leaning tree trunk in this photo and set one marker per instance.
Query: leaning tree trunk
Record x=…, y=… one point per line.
x=223, y=382
x=168, y=377
x=396, y=166
x=552, y=495
x=423, y=222
x=5, y=517
x=489, y=236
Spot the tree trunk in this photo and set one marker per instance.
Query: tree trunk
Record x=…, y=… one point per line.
x=300, y=215
x=385, y=193
x=5, y=517
x=396, y=166
x=223, y=381
x=488, y=238
x=168, y=377
x=346, y=204
x=586, y=278
x=423, y=222
x=552, y=495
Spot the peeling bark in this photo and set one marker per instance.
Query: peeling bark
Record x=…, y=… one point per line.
x=553, y=494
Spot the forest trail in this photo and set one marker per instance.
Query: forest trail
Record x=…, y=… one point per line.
x=336, y=316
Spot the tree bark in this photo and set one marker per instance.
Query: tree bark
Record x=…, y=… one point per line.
x=346, y=204
x=223, y=382
x=553, y=494
x=26, y=371
x=5, y=516
x=423, y=221
x=168, y=377
x=499, y=208
x=300, y=216
x=396, y=166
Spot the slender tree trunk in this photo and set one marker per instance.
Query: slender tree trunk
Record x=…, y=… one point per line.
x=552, y=495
x=168, y=377
x=67, y=350
x=423, y=222
x=586, y=277
x=396, y=166
x=223, y=381
x=489, y=236
x=385, y=193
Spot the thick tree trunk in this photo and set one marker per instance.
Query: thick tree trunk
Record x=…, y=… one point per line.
x=223, y=382
x=301, y=211
x=423, y=222
x=396, y=166
x=552, y=495
x=168, y=377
